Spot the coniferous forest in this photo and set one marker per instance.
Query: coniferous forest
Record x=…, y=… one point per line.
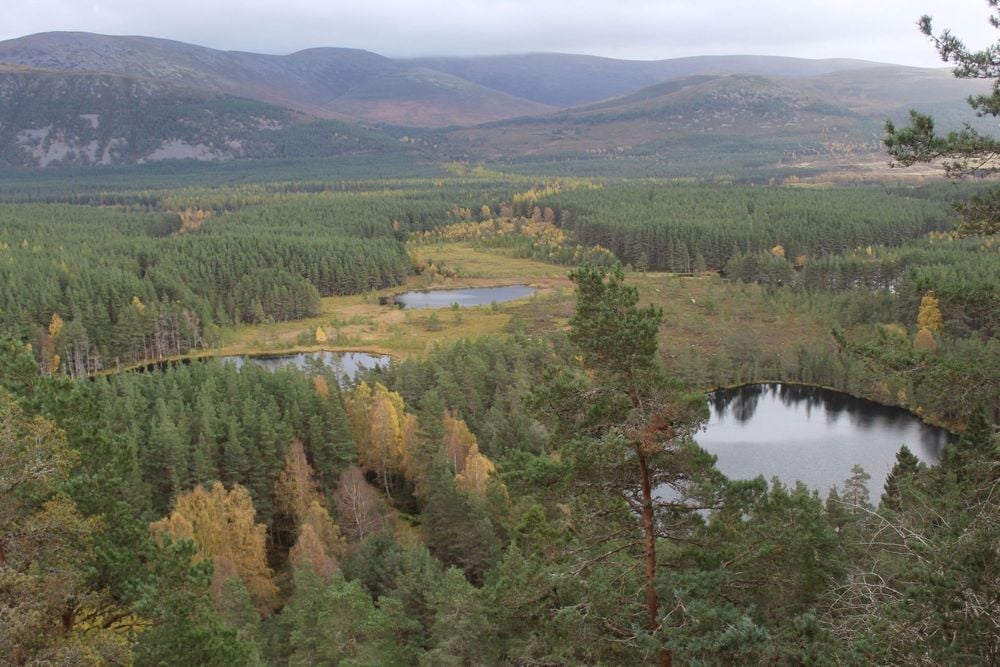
x=514, y=483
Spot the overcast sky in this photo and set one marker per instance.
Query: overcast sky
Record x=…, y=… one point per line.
x=882, y=30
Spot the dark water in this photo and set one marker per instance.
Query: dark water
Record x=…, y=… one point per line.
x=346, y=365
x=472, y=296
x=795, y=432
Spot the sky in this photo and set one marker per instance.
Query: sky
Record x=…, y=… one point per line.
x=880, y=30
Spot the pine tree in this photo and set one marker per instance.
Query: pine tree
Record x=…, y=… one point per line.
x=907, y=464
x=458, y=529
x=166, y=458
x=46, y=550
x=235, y=464
x=335, y=621
x=637, y=420
x=185, y=622
x=966, y=152
x=462, y=632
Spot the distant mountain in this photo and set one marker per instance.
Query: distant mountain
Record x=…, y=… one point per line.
x=79, y=98
x=735, y=120
x=713, y=112
x=52, y=118
x=892, y=90
x=566, y=80
x=349, y=84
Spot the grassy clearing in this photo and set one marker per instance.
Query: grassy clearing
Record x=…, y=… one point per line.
x=359, y=323
x=495, y=264
x=704, y=316
x=708, y=310
x=711, y=326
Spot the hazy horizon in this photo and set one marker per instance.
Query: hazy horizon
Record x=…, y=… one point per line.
x=634, y=30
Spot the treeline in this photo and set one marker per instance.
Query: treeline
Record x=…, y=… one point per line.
x=195, y=423
x=536, y=238
x=963, y=274
x=233, y=186
x=98, y=287
x=139, y=275
x=142, y=183
x=694, y=227
x=917, y=324
x=484, y=381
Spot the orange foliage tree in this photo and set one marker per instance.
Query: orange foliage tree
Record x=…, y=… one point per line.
x=221, y=524
x=318, y=540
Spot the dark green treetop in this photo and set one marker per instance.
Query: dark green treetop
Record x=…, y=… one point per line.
x=966, y=152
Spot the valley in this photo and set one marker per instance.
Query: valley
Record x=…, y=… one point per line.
x=540, y=359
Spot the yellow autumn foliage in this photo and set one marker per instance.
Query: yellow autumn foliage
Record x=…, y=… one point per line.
x=193, y=218
x=458, y=441
x=475, y=476
x=929, y=315
x=894, y=330
x=221, y=524
x=309, y=550
x=381, y=429
x=55, y=325
x=296, y=489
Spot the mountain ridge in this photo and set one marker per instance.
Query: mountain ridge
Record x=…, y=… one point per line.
x=320, y=100
x=521, y=74
x=322, y=82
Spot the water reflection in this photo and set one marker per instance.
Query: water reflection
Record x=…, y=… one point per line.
x=812, y=434
x=345, y=365
x=465, y=298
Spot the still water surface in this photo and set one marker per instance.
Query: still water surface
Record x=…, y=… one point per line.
x=816, y=435
x=345, y=365
x=465, y=298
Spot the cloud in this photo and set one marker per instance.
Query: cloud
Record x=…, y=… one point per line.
x=872, y=29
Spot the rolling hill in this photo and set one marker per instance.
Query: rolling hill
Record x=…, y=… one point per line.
x=740, y=120
x=348, y=84
x=717, y=114
x=52, y=118
x=84, y=99
x=567, y=80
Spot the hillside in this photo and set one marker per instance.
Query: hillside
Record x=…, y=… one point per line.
x=719, y=115
x=348, y=84
x=82, y=99
x=892, y=90
x=78, y=119
x=568, y=80
x=738, y=120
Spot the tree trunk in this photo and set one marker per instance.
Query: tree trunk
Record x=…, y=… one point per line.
x=67, y=621
x=649, y=532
